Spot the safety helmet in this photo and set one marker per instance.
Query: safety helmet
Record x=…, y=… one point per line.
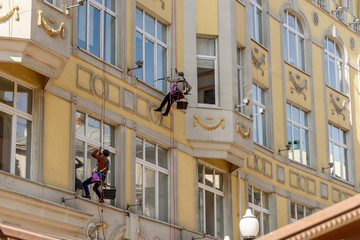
x=181, y=74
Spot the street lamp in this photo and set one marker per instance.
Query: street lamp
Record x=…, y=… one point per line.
x=249, y=225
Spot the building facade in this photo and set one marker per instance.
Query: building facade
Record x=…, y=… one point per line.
x=271, y=122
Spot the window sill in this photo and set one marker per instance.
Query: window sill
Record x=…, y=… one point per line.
x=303, y=167
x=337, y=91
x=298, y=69
x=209, y=106
x=259, y=44
x=55, y=7
x=268, y=150
x=342, y=182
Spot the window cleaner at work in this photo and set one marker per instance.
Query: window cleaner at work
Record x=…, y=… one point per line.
x=99, y=176
x=178, y=90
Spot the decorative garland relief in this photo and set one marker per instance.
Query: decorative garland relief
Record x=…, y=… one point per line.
x=210, y=126
x=13, y=11
x=258, y=61
x=338, y=109
x=298, y=87
x=239, y=129
x=50, y=31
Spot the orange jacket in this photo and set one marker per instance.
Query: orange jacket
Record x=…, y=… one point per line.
x=101, y=161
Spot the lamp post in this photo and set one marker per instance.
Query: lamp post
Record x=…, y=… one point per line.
x=249, y=225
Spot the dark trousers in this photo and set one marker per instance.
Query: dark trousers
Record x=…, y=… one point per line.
x=170, y=100
x=89, y=181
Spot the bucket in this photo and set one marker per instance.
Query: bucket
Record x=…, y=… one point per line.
x=109, y=193
x=181, y=105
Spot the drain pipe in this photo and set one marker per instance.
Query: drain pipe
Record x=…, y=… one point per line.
x=239, y=181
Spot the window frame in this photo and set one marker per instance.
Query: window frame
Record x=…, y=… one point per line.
x=14, y=112
x=256, y=29
x=301, y=127
x=298, y=37
x=260, y=209
x=239, y=68
x=216, y=80
x=258, y=105
x=292, y=220
x=156, y=42
x=342, y=147
x=157, y=169
x=203, y=187
x=339, y=83
x=103, y=11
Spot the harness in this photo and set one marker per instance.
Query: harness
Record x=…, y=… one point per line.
x=101, y=171
x=177, y=94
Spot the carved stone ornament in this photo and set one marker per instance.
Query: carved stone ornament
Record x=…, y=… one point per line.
x=315, y=18
x=162, y=4
x=239, y=129
x=338, y=109
x=298, y=87
x=258, y=61
x=210, y=126
x=352, y=42
x=13, y=11
x=50, y=31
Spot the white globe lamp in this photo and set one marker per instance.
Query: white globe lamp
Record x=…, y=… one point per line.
x=249, y=225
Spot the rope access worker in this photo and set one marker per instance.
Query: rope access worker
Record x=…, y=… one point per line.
x=102, y=169
x=178, y=91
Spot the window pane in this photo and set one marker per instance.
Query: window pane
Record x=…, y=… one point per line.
x=150, y=152
x=259, y=26
x=300, y=212
x=209, y=177
x=250, y=194
x=326, y=68
x=331, y=46
x=308, y=212
x=81, y=27
x=24, y=99
x=5, y=141
x=257, y=197
x=291, y=19
x=266, y=223
x=219, y=217
x=285, y=43
x=79, y=164
x=149, y=204
x=6, y=92
x=336, y=134
x=94, y=30
x=163, y=197
x=93, y=129
x=265, y=200
x=299, y=27
x=23, y=148
x=110, y=178
x=305, y=147
x=139, y=18
x=255, y=125
x=91, y=161
x=210, y=213
x=161, y=67
x=293, y=210
x=337, y=162
x=109, y=135
x=258, y=216
x=139, y=187
x=161, y=32
x=150, y=25
x=252, y=21
x=139, y=54
x=290, y=140
x=219, y=181
x=205, y=46
x=301, y=54
x=201, y=210
x=296, y=114
x=200, y=173
x=139, y=148
x=111, y=4
x=149, y=62
x=162, y=157
x=262, y=130
x=110, y=33
x=80, y=123
x=206, y=81
x=292, y=49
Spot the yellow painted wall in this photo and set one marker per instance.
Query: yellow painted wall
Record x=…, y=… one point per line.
x=207, y=22
x=179, y=34
x=57, y=142
x=186, y=191
x=240, y=24
x=154, y=8
x=282, y=211
x=23, y=73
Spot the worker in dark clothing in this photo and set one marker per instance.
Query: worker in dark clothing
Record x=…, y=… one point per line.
x=178, y=91
x=102, y=169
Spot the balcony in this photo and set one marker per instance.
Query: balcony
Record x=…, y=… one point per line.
x=34, y=35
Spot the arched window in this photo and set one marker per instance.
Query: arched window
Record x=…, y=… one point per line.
x=334, y=67
x=256, y=21
x=293, y=35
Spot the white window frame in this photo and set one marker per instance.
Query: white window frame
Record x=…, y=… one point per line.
x=14, y=112
x=339, y=85
x=260, y=209
x=103, y=10
x=211, y=58
x=156, y=168
x=94, y=144
x=343, y=147
x=202, y=187
x=239, y=77
x=258, y=106
x=296, y=217
x=256, y=24
x=156, y=41
x=298, y=36
x=301, y=127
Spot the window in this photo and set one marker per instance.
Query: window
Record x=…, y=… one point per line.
x=259, y=203
x=298, y=134
x=16, y=102
x=322, y=3
x=338, y=152
x=206, y=70
x=90, y=134
x=299, y=211
x=239, y=76
x=259, y=129
x=151, y=47
x=152, y=180
x=333, y=65
x=293, y=35
x=211, y=201
x=256, y=21
x=97, y=29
